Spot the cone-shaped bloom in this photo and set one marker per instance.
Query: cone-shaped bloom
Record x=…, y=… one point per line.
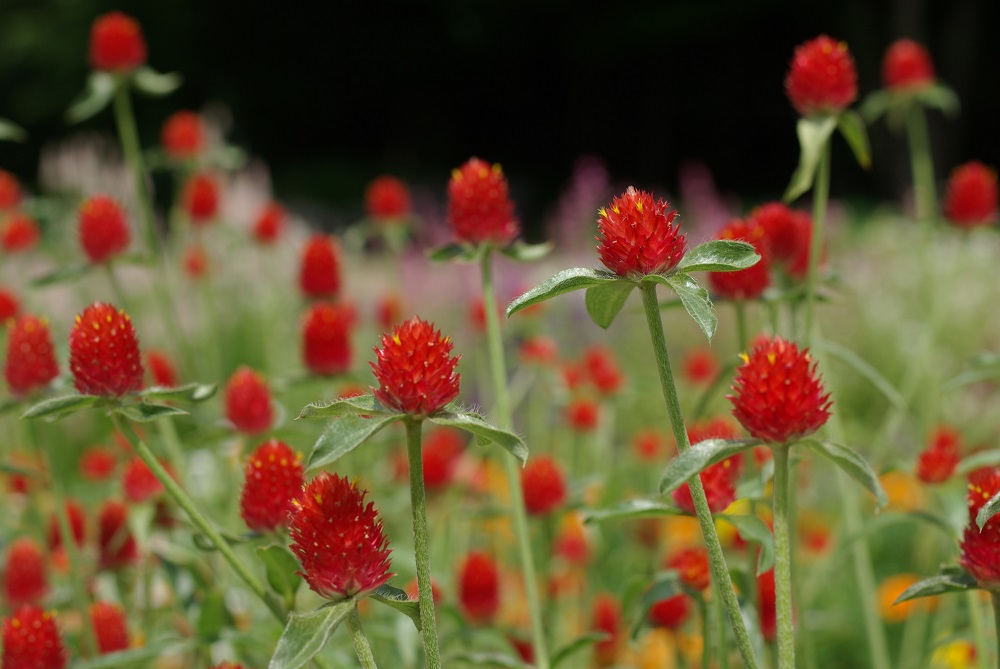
x=183, y=135
x=479, y=207
x=269, y=224
x=479, y=587
x=637, y=235
x=110, y=627
x=338, y=539
x=326, y=338
x=24, y=580
x=387, y=199
x=907, y=66
x=981, y=549
x=201, y=199
x=116, y=43
x=248, y=401
x=544, y=485
x=31, y=358
x=103, y=230
x=273, y=479
x=971, y=196
x=778, y=395
x=319, y=267
x=104, y=352
x=415, y=369
x=749, y=283
x=31, y=640
x=822, y=78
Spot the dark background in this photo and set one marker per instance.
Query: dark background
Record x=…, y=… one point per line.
x=332, y=94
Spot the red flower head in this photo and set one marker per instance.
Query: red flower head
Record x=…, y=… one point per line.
x=766, y=605
x=415, y=369
x=104, y=230
x=104, y=352
x=273, y=475
x=31, y=640
x=778, y=394
x=971, y=197
x=319, y=270
x=603, y=369
x=649, y=445
x=981, y=550
x=326, y=338
x=540, y=350
x=338, y=539
x=442, y=449
x=671, y=612
x=97, y=463
x=77, y=524
x=200, y=199
x=606, y=617
x=24, y=580
x=479, y=208
x=31, y=357
x=114, y=540
x=749, y=283
x=700, y=366
x=183, y=135
x=138, y=481
x=939, y=459
x=116, y=43
x=479, y=587
x=693, y=567
x=110, y=627
x=248, y=402
x=544, y=485
x=195, y=262
x=20, y=233
x=161, y=369
x=270, y=223
x=582, y=414
x=822, y=78
x=786, y=232
x=907, y=66
x=388, y=310
x=637, y=235
x=718, y=480
x=10, y=191
x=387, y=199
x=9, y=304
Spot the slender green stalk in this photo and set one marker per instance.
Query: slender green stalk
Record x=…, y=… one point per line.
x=978, y=630
x=995, y=598
x=421, y=544
x=116, y=286
x=128, y=135
x=361, y=646
x=498, y=369
x=720, y=572
x=821, y=195
x=921, y=165
x=782, y=560
x=740, y=307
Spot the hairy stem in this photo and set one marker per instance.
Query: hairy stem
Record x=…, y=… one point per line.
x=782, y=560
x=361, y=645
x=821, y=195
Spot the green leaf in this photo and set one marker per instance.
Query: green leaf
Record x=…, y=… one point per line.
x=100, y=89
x=875, y=105
x=633, y=508
x=522, y=252
x=950, y=580
x=156, y=84
x=852, y=464
x=753, y=529
x=63, y=274
x=696, y=302
x=720, y=255
x=988, y=510
x=872, y=375
x=136, y=656
x=11, y=131
x=453, y=251
x=214, y=617
x=360, y=405
x=202, y=542
x=698, y=457
x=307, y=633
x=58, y=407
x=940, y=97
x=575, y=646
x=477, y=425
x=565, y=281
x=485, y=660
x=972, y=462
x=605, y=301
x=344, y=435
x=146, y=412
x=852, y=128
x=399, y=600
x=280, y=568
x=813, y=132
x=191, y=392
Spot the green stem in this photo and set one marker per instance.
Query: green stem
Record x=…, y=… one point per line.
x=741, y=324
x=498, y=369
x=821, y=195
x=782, y=560
x=129, y=138
x=720, y=572
x=995, y=598
x=361, y=646
x=922, y=167
x=976, y=622
x=116, y=286
x=421, y=544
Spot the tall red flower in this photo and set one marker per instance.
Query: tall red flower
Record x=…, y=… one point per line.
x=200, y=199
x=981, y=549
x=822, y=78
x=971, y=196
x=671, y=612
x=270, y=223
x=10, y=191
x=110, y=627
x=116, y=43
x=326, y=338
x=638, y=236
x=938, y=461
x=778, y=395
x=104, y=352
x=319, y=267
x=766, y=605
x=415, y=369
x=387, y=199
x=749, y=283
x=31, y=640
x=544, y=485
x=907, y=66
x=103, y=230
x=19, y=233
x=115, y=542
x=479, y=587
x=31, y=357
x=272, y=480
x=24, y=580
x=183, y=135
x=693, y=567
x=248, y=402
x=338, y=539
x=479, y=207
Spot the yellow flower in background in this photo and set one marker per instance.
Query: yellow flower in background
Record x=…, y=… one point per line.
x=657, y=650
x=905, y=492
x=954, y=655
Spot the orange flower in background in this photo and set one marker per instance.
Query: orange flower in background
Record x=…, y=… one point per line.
x=749, y=283
x=248, y=401
x=272, y=480
x=183, y=135
x=981, y=549
x=31, y=362
x=104, y=352
x=971, y=196
x=637, y=235
x=31, y=640
x=907, y=66
x=319, y=267
x=103, y=228
x=387, y=199
x=415, y=369
x=693, y=567
x=822, y=78
x=479, y=207
x=890, y=589
x=116, y=43
x=19, y=234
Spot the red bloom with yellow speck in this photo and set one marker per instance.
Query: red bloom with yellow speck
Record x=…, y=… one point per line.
x=415, y=369
x=479, y=587
x=273, y=479
x=907, y=66
x=822, y=78
x=778, y=395
x=31, y=640
x=24, y=580
x=981, y=549
x=637, y=235
x=971, y=196
x=31, y=357
x=749, y=283
x=544, y=485
x=103, y=230
x=387, y=199
x=319, y=268
x=326, y=338
x=338, y=539
x=19, y=234
x=116, y=43
x=104, y=352
x=200, y=199
x=110, y=627
x=183, y=135
x=479, y=208
x=248, y=402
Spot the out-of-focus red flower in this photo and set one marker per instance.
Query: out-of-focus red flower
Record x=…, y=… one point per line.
x=104, y=352
x=31, y=640
x=938, y=461
x=822, y=78
x=110, y=627
x=700, y=366
x=479, y=587
x=19, y=233
x=10, y=191
x=479, y=208
x=766, y=605
x=115, y=542
x=183, y=135
x=98, y=463
x=582, y=414
x=649, y=445
x=77, y=524
x=387, y=199
x=671, y=612
x=749, y=283
x=103, y=230
x=31, y=357
x=248, y=402
x=603, y=369
x=9, y=304
x=116, y=43
x=782, y=232
x=273, y=479
x=413, y=591
x=161, y=369
x=606, y=616
x=139, y=483
x=693, y=567
x=442, y=449
x=200, y=199
x=719, y=481
x=544, y=485
x=388, y=311
x=415, y=369
x=637, y=235
x=971, y=196
x=326, y=338
x=319, y=267
x=907, y=66
x=195, y=261
x=24, y=579
x=269, y=224
x=981, y=549
x=540, y=350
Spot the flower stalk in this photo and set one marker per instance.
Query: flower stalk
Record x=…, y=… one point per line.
x=361, y=645
x=821, y=196
x=783, y=559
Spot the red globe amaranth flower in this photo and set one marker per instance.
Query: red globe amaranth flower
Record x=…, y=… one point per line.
x=971, y=196
x=649, y=445
x=540, y=350
x=786, y=232
x=766, y=610
x=700, y=366
x=603, y=369
x=693, y=567
x=319, y=269
x=778, y=395
x=387, y=199
x=24, y=580
x=104, y=230
x=583, y=414
x=939, y=459
x=31, y=640
x=440, y=454
x=104, y=352
x=388, y=310
x=19, y=234
x=138, y=481
x=571, y=542
x=415, y=369
x=77, y=516
x=326, y=338
x=116, y=43
x=248, y=402
x=479, y=587
x=98, y=463
x=479, y=207
x=606, y=616
x=269, y=224
x=544, y=485
x=10, y=191
x=115, y=542
x=637, y=235
x=183, y=135
x=907, y=66
x=161, y=369
x=981, y=550
x=338, y=540
x=273, y=479
x=110, y=627
x=822, y=78
x=200, y=199
x=9, y=305
x=671, y=612
x=749, y=283
x=195, y=262
x=718, y=480
x=31, y=357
